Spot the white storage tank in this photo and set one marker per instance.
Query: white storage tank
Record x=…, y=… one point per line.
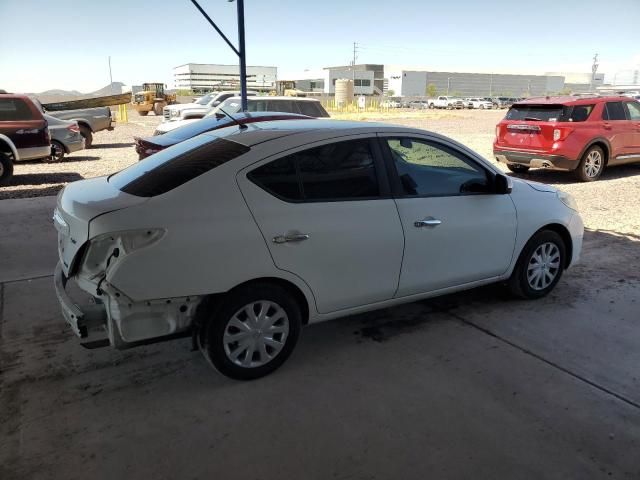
x=344, y=92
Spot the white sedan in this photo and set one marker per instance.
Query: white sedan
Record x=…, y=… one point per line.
x=241, y=236
x=479, y=103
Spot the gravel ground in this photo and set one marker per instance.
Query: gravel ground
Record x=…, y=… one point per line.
x=608, y=204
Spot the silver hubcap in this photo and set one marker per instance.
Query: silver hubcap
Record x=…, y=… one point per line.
x=256, y=334
x=593, y=164
x=544, y=266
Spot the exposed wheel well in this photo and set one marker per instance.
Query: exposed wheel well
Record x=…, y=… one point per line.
x=566, y=238
x=84, y=124
x=6, y=149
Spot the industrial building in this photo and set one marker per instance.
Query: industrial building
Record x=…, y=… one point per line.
x=376, y=79
x=205, y=77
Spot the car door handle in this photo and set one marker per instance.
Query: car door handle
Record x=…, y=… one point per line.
x=294, y=237
x=607, y=126
x=427, y=222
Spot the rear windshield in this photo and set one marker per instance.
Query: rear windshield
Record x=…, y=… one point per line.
x=176, y=165
x=14, y=109
x=196, y=128
x=550, y=113
x=232, y=105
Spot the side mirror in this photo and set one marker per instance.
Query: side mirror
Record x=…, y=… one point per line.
x=503, y=184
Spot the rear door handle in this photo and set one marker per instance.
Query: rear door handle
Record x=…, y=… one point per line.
x=427, y=222
x=294, y=237
x=607, y=126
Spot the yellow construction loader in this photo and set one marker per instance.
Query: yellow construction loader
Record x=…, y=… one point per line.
x=152, y=97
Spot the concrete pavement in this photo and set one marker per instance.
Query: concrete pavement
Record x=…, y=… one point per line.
x=473, y=385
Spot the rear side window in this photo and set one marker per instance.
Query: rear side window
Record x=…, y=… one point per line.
x=176, y=166
x=310, y=109
x=614, y=111
x=14, y=109
x=337, y=171
x=281, y=106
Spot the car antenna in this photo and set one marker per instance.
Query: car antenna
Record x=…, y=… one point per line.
x=241, y=126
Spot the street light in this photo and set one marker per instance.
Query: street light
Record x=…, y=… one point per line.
x=238, y=51
x=448, y=84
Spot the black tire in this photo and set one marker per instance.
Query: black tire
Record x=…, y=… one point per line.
x=88, y=136
x=143, y=113
x=592, y=161
x=216, y=321
x=6, y=169
x=481, y=107
x=519, y=283
x=515, y=168
x=157, y=108
x=58, y=152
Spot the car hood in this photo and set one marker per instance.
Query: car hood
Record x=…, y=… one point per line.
x=168, y=126
x=187, y=106
x=540, y=187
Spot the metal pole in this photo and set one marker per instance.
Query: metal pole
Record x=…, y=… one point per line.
x=242, y=55
x=110, y=77
x=448, y=84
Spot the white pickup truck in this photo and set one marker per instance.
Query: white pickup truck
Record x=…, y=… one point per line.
x=445, y=101
x=199, y=108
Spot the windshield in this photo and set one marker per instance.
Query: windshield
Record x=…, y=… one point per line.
x=204, y=100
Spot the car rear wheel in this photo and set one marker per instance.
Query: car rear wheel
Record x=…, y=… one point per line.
x=515, y=168
x=253, y=331
x=57, y=152
x=481, y=107
x=157, y=108
x=591, y=166
x=6, y=169
x=539, y=266
x=143, y=113
x=88, y=136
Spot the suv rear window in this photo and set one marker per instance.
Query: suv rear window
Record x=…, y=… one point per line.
x=14, y=109
x=550, y=113
x=176, y=165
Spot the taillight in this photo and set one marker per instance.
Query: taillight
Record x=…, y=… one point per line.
x=561, y=133
x=497, y=131
x=74, y=128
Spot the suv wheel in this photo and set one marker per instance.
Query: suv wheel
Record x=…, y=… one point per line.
x=539, y=266
x=253, y=332
x=6, y=169
x=591, y=166
x=516, y=168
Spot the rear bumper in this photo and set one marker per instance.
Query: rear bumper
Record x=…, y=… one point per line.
x=75, y=145
x=33, y=153
x=535, y=160
x=88, y=322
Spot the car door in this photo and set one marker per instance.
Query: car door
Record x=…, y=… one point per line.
x=26, y=128
x=327, y=216
x=456, y=230
x=633, y=113
x=619, y=132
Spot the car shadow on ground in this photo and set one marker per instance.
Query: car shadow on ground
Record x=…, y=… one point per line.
x=112, y=145
x=44, y=178
x=80, y=158
x=554, y=177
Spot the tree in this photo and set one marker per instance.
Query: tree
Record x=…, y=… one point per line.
x=431, y=90
x=390, y=93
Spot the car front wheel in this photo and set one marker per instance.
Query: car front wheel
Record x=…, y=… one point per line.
x=539, y=266
x=253, y=331
x=516, y=168
x=6, y=169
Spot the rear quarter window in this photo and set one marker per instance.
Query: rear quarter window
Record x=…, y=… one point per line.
x=175, y=166
x=14, y=109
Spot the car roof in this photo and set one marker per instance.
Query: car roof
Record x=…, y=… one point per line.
x=15, y=95
x=571, y=100
x=271, y=97
x=256, y=133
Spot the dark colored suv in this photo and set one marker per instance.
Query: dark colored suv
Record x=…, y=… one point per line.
x=579, y=134
x=24, y=134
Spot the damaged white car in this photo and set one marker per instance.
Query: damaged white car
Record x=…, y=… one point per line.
x=241, y=236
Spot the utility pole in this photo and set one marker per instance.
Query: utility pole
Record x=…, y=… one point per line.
x=594, y=69
x=110, y=77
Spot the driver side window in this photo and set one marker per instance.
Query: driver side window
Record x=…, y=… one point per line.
x=429, y=169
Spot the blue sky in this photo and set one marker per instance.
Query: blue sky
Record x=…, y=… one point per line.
x=65, y=43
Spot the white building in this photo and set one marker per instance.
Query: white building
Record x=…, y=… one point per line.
x=206, y=77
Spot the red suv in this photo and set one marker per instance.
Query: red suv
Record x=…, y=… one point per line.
x=579, y=134
x=24, y=133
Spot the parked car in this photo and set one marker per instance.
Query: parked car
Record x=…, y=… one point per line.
x=479, y=103
x=300, y=105
x=501, y=102
x=90, y=121
x=24, y=133
x=150, y=145
x=240, y=236
x=444, y=101
x=65, y=138
x=419, y=104
x=579, y=134
x=390, y=103
x=199, y=108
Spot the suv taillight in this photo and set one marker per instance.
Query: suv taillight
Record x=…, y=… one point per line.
x=497, y=131
x=561, y=133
